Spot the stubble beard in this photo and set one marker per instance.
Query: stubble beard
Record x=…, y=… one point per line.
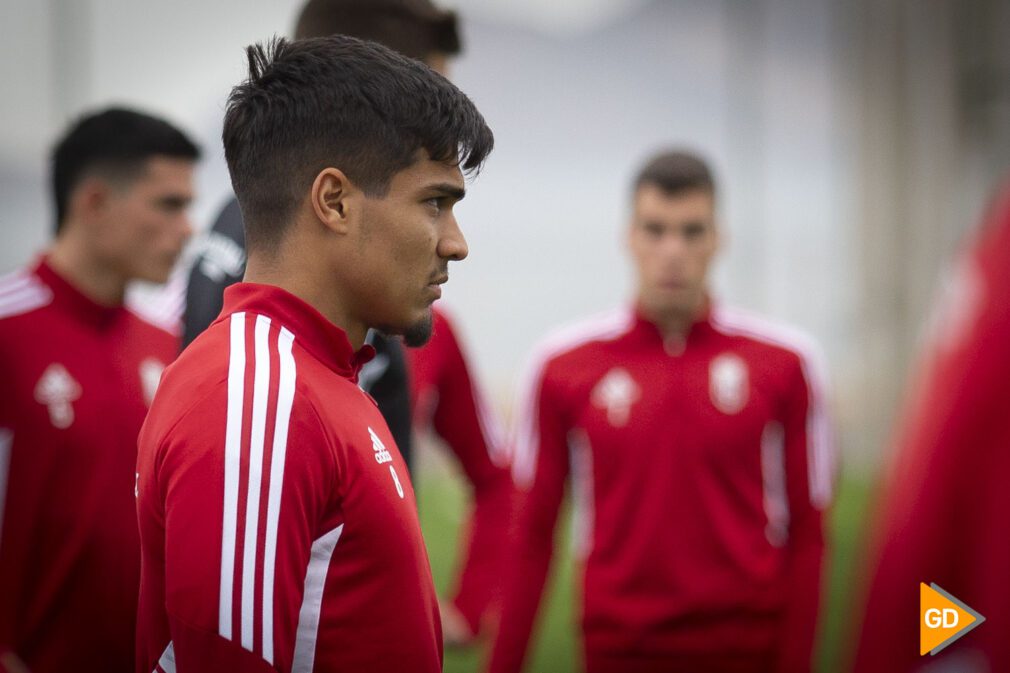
x=417, y=334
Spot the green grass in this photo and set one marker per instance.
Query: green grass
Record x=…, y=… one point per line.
x=443, y=504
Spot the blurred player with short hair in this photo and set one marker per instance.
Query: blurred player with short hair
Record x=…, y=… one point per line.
x=696, y=441
x=79, y=371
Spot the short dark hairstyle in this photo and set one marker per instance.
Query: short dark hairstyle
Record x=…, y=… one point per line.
x=414, y=28
x=338, y=102
x=676, y=171
x=114, y=143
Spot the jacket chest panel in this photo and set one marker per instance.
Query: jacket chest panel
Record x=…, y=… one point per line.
x=647, y=413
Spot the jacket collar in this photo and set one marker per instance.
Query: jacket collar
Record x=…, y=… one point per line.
x=324, y=340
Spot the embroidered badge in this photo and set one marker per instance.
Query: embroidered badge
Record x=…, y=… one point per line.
x=728, y=383
x=616, y=393
x=58, y=390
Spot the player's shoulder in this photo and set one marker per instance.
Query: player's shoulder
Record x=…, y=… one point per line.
x=767, y=336
x=583, y=336
x=22, y=295
x=200, y=372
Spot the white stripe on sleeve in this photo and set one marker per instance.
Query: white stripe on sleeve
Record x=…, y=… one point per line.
x=261, y=391
x=773, y=481
x=583, y=493
x=285, y=399
x=232, y=458
x=312, y=601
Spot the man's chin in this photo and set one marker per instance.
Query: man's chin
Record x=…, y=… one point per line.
x=414, y=335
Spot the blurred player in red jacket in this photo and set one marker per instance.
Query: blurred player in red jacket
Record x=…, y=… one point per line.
x=945, y=501
x=699, y=452
x=448, y=399
x=79, y=371
x=278, y=525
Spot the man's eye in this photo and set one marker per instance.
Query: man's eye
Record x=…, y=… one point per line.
x=435, y=202
x=694, y=232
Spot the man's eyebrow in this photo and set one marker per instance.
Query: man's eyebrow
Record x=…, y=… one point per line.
x=448, y=189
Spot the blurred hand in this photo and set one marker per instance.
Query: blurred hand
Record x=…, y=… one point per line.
x=456, y=630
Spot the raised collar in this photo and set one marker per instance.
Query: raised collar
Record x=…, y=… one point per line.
x=324, y=340
x=650, y=332
x=68, y=298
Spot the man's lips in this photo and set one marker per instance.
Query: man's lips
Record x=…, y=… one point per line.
x=435, y=288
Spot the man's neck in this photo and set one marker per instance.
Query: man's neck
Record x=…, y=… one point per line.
x=675, y=323
x=70, y=258
x=302, y=283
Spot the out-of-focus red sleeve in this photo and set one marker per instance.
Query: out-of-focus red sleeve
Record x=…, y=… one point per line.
x=941, y=517
x=540, y=469
x=809, y=463
x=447, y=393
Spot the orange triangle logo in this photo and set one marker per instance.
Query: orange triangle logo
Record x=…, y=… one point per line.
x=942, y=619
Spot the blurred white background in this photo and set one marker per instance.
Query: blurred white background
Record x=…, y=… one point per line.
x=854, y=142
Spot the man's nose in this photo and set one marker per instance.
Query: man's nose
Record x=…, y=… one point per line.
x=451, y=243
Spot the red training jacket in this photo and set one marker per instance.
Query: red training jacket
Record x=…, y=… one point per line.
x=446, y=397
x=77, y=381
x=278, y=524
x=945, y=506
x=700, y=471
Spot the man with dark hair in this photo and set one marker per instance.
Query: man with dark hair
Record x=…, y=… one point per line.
x=698, y=448
x=278, y=524
x=440, y=391
x=79, y=372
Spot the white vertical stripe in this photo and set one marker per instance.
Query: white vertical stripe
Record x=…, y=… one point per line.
x=167, y=661
x=490, y=426
x=773, y=479
x=312, y=601
x=232, y=458
x=261, y=391
x=6, y=441
x=584, y=505
x=285, y=398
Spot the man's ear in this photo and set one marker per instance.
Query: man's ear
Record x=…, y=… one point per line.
x=90, y=197
x=335, y=200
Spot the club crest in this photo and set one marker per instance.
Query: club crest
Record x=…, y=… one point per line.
x=58, y=390
x=728, y=383
x=616, y=393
